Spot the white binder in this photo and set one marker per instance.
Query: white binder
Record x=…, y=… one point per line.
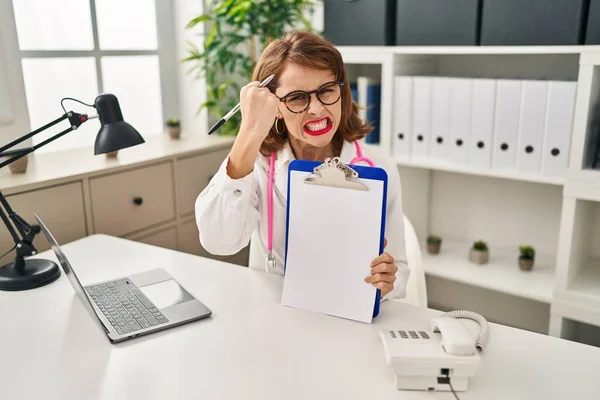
x=439, y=140
x=482, y=123
x=421, y=121
x=559, y=127
x=531, y=126
x=460, y=119
x=506, y=124
x=402, y=115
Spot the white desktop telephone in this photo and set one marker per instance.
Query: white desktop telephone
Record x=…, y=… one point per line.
x=441, y=356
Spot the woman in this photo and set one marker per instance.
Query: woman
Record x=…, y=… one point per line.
x=306, y=112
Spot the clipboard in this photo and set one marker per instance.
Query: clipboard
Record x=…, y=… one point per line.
x=335, y=227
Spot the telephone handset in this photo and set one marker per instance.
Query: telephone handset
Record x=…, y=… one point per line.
x=428, y=357
x=456, y=334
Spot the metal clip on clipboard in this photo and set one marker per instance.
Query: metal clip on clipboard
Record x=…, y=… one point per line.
x=335, y=173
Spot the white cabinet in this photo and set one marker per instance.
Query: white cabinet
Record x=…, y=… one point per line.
x=129, y=201
x=60, y=207
x=193, y=175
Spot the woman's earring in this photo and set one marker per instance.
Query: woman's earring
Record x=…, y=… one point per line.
x=277, y=127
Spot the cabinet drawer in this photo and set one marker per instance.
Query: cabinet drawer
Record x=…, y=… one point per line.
x=60, y=207
x=166, y=238
x=193, y=175
x=129, y=201
x=189, y=242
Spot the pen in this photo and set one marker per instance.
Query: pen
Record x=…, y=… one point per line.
x=236, y=108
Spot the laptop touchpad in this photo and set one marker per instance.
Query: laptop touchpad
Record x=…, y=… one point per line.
x=166, y=293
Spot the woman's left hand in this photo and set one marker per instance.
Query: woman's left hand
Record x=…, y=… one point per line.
x=383, y=273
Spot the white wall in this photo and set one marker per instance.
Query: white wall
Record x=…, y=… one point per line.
x=9, y=58
x=192, y=92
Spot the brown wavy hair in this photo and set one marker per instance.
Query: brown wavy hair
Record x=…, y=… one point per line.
x=312, y=51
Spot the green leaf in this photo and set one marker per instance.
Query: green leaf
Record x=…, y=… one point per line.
x=198, y=19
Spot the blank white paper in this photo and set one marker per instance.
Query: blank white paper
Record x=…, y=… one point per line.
x=334, y=234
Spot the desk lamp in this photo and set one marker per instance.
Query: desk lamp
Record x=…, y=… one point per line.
x=114, y=134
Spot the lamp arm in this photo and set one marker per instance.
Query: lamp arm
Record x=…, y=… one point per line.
x=24, y=243
x=75, y=120
x=31, y=134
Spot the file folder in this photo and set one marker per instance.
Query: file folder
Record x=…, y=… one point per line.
x=335, y=228
x=439, y=140
x=421, y=121
x=559, y=127
x=403, y=100
x=482, y=123
x=460, y=120
x=531, y=126
x=506, y=124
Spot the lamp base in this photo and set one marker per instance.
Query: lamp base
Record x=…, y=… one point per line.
x=36, y=273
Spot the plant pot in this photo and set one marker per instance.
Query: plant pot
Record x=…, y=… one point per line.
x=526, y=264
x=19, y=166
x=433, y=248
x=112, y=154
x=479, y=256
x=174, y=131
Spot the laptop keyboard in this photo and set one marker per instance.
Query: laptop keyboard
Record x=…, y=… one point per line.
x=125, y=306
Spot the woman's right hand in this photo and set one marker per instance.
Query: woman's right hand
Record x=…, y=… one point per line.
x=259, y=109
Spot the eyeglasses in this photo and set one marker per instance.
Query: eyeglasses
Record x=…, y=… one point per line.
x=298, y=101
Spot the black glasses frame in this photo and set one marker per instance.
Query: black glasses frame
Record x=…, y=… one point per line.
x=309, y=95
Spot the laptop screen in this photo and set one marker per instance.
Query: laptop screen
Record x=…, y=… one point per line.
x=69, y=272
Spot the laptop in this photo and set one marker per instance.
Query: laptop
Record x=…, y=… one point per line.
x=133, y=305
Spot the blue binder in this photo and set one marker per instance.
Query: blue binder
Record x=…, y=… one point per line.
x=322, y=174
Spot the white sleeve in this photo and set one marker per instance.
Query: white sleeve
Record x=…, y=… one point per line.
x=394, y=233
x=227, y=212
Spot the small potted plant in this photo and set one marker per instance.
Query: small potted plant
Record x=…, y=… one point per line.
x=526, y=257
x=479, y=253
x=18, y=166
x=434, y=243
x=174, y=128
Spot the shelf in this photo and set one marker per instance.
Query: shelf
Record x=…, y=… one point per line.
x=465, y=169
x=583, y=190
x=356, y=51
x=582, y=296
x=501, y=274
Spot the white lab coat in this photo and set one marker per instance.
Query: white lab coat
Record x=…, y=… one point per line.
x=232, y=212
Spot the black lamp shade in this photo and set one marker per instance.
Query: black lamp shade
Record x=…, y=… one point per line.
x=114, y=134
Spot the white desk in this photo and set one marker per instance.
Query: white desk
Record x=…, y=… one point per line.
x=251, y=348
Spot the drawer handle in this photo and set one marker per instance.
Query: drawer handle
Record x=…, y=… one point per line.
x=138, y=201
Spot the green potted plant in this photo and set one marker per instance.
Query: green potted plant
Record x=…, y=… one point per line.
x=236, y=33
x=526, y=257
x=434, y=243
x=174, y=128
x=479, y=252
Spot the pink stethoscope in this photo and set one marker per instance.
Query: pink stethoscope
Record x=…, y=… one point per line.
x=271, y=258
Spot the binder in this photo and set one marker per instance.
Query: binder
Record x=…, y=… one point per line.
x=439, y=140
x=335, y=227
x=403, y=93
x=369, y=99
x=421, y=121
x=506, y=124
x=460, y=120
x=531, y=126
x=482, y=123
x=559, y=127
